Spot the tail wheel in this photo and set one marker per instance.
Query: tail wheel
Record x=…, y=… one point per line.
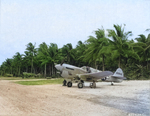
x=112, y=83
x=69, y=84
x=80, y=85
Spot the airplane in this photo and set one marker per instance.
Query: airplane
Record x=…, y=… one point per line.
x=73, y=74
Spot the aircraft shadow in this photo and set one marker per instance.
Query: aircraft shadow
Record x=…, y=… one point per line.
x=85, y=87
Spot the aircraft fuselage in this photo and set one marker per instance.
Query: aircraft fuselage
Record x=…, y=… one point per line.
x=113, y=79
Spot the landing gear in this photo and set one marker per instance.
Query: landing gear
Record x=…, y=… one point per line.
x=64, y=83
x=80, y=85
x=69, y=84
x=112, y=83
x=93, y=85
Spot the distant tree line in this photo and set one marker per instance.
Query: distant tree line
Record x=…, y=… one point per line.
x=104, y=52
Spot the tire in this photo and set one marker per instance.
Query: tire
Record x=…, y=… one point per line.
x=112, y=84
x=91, y=85
x=69, y=84
x=80, y=85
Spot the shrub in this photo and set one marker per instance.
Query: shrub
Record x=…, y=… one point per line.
x=27, y=75
x=8, y=75
x=38, y=75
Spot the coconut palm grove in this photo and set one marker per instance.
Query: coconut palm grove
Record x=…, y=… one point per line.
x=104, y=52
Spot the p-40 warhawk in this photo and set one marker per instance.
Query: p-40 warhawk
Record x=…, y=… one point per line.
x=73, y=74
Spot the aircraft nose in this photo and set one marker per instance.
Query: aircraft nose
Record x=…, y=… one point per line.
x=58, y=67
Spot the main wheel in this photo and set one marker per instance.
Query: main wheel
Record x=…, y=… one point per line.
x=69, y=84
x=80, y=85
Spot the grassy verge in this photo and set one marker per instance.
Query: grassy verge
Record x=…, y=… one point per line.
x=41, y=82
x=18, y=78
x=10, y=78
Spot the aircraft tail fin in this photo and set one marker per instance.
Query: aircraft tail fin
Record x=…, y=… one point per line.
x=119, y=74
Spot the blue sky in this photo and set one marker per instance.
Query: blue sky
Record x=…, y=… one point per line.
x=65, y=21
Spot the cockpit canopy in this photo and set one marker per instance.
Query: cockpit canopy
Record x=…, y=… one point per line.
x=92, y=70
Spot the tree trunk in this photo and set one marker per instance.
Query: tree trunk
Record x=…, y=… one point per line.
x=55, y=71
x=32, y=66
x=119, y=62
x=95, y=65
x=103, y=63
x=4, y=72
x=11, y=70
x=147, y=63
x=19, y=70
x=52, y=69
x=26, y=68
x=45, y=71
x=49, y=70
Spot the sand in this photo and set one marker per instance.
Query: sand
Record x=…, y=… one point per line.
x=129, y=98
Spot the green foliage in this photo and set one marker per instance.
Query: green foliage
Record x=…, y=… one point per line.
x=102, y=51
x=119, y=43
x=68, y=53
x=57, y=75
x=38, y=75
x=97, y=48
x=27, y=75
x=8, y=75
x=134, y=72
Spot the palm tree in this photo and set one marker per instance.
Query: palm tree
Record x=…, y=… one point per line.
x=79, y=53
x=144, y=48
x=44, y=55
x=3, y=68
x=97, y=47
x=48, y=55
x=119, y=43
x=68, y=53
x=31, y=51
x=26, y=61
x=17, y=63
x=53, y=52
x=9, y=65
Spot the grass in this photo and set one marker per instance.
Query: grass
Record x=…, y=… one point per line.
x=10, y=78
x=18, y=78
x=41, y=82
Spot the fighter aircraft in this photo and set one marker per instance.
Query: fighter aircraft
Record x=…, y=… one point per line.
x=73, y=74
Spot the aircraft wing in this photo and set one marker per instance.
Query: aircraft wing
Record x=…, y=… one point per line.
x=94, y=76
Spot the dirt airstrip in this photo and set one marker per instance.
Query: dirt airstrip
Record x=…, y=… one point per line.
x=129, y=98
